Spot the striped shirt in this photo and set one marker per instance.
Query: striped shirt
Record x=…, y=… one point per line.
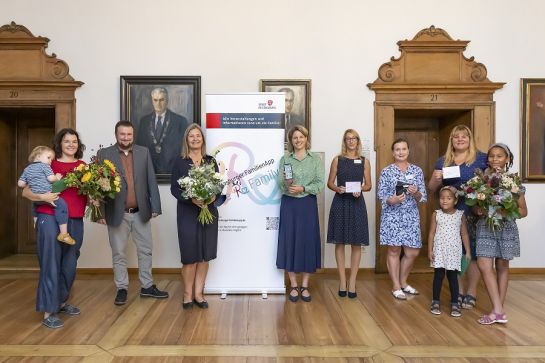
x=35, y=175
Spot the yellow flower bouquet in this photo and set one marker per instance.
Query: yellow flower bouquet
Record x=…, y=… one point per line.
x=98, y=180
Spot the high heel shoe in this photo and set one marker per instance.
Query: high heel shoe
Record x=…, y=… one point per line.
x=352, y=295
x=342, y=293
x=303, y=297
x=293, y=298
x=202, y=304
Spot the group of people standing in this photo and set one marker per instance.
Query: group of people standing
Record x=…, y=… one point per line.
x=456, y=230
x=455, y=227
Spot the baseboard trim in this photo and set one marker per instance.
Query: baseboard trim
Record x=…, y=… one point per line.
x=322, y=271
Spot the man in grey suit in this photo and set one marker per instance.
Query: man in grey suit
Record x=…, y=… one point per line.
x=290, y=119
x=129, y=213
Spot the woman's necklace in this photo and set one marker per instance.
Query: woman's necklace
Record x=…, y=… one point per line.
x=196, y=160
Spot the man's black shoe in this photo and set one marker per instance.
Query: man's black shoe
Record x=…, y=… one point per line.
x=121, y=297
x=153, y=291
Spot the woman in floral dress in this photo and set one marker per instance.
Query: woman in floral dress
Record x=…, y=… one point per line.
x=400, y=189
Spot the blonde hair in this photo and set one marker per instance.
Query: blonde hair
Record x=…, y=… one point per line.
x=344, y=150
x=185, y=148
x=472, y=153
x=302, y=130
x=39, y=150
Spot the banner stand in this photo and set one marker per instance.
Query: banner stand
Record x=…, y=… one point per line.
x=246, y=133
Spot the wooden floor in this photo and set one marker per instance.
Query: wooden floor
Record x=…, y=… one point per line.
x=245, y=328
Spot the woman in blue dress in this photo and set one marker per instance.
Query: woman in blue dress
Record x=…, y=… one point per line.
x=462, y=153
x=400, y=189
x=348, y=214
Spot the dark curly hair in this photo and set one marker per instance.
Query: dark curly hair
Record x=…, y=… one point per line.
x=57, y=143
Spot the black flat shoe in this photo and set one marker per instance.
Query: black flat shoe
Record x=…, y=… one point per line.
x=202, y=304
x=291, y=297
x=187, y=305
x=342, y=293
x=352, y=295
x=305, y=298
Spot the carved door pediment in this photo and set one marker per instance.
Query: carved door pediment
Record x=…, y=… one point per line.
x=31, y=77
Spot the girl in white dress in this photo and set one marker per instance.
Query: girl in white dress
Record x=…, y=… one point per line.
x=448, y=230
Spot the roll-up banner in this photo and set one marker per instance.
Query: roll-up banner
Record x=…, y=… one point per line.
x=246, y=133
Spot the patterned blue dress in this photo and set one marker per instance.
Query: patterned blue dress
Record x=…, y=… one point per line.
x=348, y=215
x=400, y=223
x=503, y=243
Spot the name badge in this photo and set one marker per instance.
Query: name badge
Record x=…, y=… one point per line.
x=357, y=161
x=409, y=177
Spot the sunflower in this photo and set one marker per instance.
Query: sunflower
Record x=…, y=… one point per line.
x=85, y=178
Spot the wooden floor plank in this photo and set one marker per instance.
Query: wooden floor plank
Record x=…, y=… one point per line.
x=246, y=328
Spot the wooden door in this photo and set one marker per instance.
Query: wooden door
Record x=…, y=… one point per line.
x=8, y=185
x=427, y=132
x=423, y=137
x=27, y=128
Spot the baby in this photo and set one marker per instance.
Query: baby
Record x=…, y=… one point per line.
x=39, y=176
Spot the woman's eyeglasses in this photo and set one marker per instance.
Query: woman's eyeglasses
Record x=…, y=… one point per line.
x=350, y=139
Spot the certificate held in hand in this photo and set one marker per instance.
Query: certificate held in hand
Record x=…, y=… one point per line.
x=451, y=172
x=352, y=187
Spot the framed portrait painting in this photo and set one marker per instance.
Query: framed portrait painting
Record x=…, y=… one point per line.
x=297, y=93
x=532, y=129
x=161, y=108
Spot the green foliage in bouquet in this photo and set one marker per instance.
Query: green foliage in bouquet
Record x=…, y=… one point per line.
x=496, y=193
x=97, y=180
x=202, y=183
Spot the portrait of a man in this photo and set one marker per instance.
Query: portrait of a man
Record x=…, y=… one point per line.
x=297, y=98
x=536, y=131
x=160, y=109
x=290, y=117
x=161, y=131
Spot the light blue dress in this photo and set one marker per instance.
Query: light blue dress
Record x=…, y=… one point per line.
x=400, y=223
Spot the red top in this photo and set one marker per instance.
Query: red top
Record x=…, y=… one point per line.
x=76, y=202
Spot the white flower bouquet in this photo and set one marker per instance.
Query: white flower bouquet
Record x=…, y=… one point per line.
x=202, y=183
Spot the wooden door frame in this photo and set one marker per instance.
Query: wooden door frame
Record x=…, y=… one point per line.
x=431, y=73
x=29, y=78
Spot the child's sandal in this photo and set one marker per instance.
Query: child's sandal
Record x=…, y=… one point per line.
x=435, y=308
x=488, y=320
x=66, y=238
x=455, y=311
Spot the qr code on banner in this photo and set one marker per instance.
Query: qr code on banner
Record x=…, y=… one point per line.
x=272, y=223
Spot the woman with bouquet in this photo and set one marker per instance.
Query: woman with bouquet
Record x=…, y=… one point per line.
x=58, y=261
x=499, y=245
x=462, y=153
x=198, y=241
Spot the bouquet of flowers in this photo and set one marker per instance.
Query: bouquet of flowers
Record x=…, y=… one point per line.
x=98, y=180
x=496, y=194
x=202, y=183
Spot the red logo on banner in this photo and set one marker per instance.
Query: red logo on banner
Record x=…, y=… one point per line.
x=270, y=102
